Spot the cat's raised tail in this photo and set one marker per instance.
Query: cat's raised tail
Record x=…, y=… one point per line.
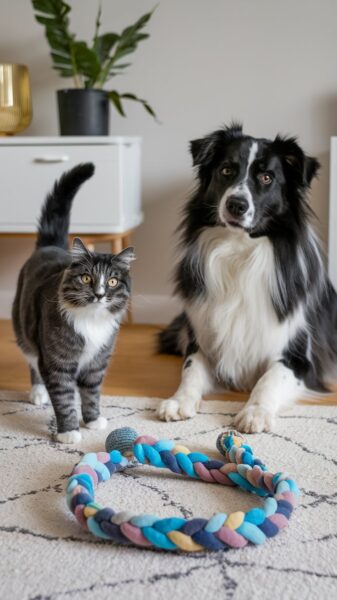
x=55, y=215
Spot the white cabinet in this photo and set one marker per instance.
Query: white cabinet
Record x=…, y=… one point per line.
x=110, y=202
x=333, y=213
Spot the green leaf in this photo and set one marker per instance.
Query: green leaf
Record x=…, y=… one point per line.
x=122, y=52
x=86, y=60
x=47, y=6
x=52, y=7
x=145, y=104
x=64, y=72
x=103, y=45
x=120, y=66
x=60, y=59
x=150, y=110
x=116, y=96
x=139, y=24
x=130, y=37
x=115, y=99
x=58, y=44
x=45, y=20
x=98, y=19
x=54, y=18
x=55, y=45
x=140, y=36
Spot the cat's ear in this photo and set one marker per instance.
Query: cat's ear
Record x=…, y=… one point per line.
x=78, y=248
x=126, y=257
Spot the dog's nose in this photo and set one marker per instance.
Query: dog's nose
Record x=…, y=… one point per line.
x=237, y=206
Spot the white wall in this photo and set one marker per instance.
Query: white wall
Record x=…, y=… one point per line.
x=271, y=64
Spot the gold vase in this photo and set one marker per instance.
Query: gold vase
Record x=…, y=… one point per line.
x=15, y=99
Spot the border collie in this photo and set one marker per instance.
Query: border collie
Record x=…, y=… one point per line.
x=260, y=314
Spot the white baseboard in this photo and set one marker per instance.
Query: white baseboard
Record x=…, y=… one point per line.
x=154, y=309
x=151, y=309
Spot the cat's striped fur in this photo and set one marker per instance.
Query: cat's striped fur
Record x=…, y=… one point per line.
x=67, y=328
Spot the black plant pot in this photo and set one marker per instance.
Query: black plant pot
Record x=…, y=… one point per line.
x=83, y=112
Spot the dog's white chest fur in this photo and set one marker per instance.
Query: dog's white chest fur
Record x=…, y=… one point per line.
x=235, y=324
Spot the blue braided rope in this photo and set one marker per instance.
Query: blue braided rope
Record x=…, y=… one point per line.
x=220, y=532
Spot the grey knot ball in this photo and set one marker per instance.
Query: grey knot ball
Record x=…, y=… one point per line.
x=121, y=439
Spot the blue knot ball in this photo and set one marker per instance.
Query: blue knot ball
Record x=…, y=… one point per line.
x=226, y=439
x=121, y=439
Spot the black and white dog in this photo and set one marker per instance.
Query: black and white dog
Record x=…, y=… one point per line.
x=260, y=313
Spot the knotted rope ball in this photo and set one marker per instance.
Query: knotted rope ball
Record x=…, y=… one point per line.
x=222, y=531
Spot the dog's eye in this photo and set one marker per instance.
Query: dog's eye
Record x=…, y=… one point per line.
x=227, y=172
x=264, y=178
x=113, y=282
x=85, y=278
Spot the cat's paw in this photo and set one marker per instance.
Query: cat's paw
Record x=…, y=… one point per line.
x=254, y=419
x=39, y=395
x=172, y=410
x=69, y=437
x=98, y=424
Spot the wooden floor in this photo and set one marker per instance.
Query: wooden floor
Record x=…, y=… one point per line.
x=135, y=369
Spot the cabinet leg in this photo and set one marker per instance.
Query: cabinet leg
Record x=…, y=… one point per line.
x=127, y=242
x=117, y=245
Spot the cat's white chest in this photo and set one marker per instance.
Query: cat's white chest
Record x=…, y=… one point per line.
x=96, y=327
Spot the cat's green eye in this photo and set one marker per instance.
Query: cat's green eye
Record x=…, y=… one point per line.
x=112, y=282
x=85, y=278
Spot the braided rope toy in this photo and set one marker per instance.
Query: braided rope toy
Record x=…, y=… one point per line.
x=220, y=532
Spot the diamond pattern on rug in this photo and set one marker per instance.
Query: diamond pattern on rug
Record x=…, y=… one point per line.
x=44, y=554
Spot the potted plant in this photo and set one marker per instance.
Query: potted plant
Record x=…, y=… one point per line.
x=84, y=109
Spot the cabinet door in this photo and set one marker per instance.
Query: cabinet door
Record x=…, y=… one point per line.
x=28, y=173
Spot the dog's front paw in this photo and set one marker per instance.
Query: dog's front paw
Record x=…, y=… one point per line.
x=169, y=410
x=69, y=437
x=99, y=423
x=254, y=419
x=39, y=395
x=172, y=410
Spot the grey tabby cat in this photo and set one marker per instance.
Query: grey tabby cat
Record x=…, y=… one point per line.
x=67, y=312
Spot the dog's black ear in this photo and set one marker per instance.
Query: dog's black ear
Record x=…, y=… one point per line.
x=312, y=166
x=204, y=149
x=303, y=167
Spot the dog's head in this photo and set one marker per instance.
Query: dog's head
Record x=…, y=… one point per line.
x=249, y=183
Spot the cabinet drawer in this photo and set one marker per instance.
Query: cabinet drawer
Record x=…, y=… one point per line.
x=107, y=203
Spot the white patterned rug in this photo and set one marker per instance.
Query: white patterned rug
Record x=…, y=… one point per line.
x=44, y=555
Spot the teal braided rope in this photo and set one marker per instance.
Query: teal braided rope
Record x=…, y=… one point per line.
x=221, y=532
